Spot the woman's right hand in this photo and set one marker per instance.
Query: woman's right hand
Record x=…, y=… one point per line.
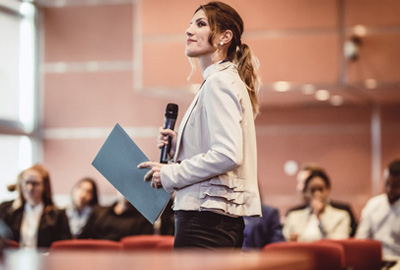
x=163, y=139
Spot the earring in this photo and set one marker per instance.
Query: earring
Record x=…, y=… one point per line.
x=221, y=43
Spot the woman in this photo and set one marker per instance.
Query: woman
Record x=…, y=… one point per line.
x=33, y=218
x=82, y=212
x=319, y=219
x=214, y=169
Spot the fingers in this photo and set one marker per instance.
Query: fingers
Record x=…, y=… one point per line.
x=153, y=174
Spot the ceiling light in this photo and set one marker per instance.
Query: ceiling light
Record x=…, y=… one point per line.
x=336, y=100
x=360, y=30
x=281, y=86
x=371, y=83
x=308, y=89
x=322, y=95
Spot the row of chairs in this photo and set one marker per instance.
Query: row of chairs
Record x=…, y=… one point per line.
x=354, y=254
x=136, y=242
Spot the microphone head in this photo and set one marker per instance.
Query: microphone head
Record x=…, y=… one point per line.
x=171, y=111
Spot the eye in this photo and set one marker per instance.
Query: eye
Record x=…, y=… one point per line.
x=201, y=23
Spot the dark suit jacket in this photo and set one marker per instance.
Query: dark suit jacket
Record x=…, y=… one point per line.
x=4, y=206
x=339, y=205
x=260, y=231
x=53, y=225
x=110, y=226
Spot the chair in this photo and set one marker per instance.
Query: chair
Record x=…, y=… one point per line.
x=324, y=255
x=361, y=254
x=86, y=244
x=147, y=242
x=11, y=244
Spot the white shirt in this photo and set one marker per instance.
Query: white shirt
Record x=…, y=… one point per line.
x=381, y=221
x=77, y=220
x=334, y=223
x=30, y=225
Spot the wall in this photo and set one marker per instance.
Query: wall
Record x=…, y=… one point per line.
x=123, y=62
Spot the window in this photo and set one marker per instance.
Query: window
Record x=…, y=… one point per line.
x=18, y=90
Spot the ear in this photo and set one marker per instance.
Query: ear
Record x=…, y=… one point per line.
x=226, y=37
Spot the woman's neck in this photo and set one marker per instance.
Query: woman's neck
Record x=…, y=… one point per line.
x=207, y=60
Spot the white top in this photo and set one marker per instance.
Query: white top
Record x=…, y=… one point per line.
x=334, y=223
x=216, y=145
x=30, y=225
x=381, y=221
x=77, y=220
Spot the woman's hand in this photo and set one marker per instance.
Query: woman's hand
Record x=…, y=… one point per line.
x=163, y=139
x=153, y=174
x=317, y=206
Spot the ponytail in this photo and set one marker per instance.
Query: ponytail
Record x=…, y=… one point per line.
x=248, y=67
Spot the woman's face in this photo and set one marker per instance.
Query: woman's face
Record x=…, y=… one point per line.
x=32, y=186
x=82, y=194
x=317, y=190
x=197, y=36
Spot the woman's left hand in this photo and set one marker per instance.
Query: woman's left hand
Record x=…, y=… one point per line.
x=153, y=174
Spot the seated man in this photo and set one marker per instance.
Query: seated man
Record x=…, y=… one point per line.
x=380, y=218
x=260, y=231
x=302, y=175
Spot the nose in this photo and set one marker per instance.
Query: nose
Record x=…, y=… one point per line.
x=189, y=31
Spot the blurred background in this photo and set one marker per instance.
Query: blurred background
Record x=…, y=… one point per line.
x=71, y=69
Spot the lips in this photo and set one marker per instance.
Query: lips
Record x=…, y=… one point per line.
x=190, y=41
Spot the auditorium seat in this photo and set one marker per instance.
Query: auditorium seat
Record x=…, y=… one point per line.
x=87, y=244
x=324, y=255
x=11, y=244
x=361, y=254
x=147, y=242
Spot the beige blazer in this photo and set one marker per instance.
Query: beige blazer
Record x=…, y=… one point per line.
x=334, y=221
x=215, y=165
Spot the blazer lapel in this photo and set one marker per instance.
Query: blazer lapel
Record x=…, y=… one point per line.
x=183, y=124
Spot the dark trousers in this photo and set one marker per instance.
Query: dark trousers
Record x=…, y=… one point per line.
x=208, y=230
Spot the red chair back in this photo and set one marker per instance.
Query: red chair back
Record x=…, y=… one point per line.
x=11, y=244
x=361, y=254
x=324, y=256
x=147, y=242
x=87, y=244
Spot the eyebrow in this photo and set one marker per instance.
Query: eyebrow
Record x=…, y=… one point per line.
x=199, y=19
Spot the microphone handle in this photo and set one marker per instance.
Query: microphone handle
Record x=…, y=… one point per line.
x=165, y=150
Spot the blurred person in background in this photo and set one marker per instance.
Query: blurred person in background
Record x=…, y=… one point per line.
x=119, y=220
x=260, y=231
x=301, y=177
x=84, y=205
x=380, y=218
x=33, y=218
x=318, y=220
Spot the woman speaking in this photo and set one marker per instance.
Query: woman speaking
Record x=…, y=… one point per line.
x=214, y=155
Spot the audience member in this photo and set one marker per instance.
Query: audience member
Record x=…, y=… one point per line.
x=302, y=175
x=380, y=218
x=260, y=231
x=319, y=219
x=6, y=205
x=84, y=205
x=33, y=218
x=119, y=220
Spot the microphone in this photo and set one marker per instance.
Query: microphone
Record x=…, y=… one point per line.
x=171, y=113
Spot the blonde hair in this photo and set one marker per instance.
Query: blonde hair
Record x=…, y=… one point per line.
x=222, y=17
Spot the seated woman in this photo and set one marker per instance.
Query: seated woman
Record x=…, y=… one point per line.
x=82, y=211
x=33, y=218
x=319, y=219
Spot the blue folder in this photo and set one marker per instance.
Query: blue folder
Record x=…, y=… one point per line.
x=117, y=161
